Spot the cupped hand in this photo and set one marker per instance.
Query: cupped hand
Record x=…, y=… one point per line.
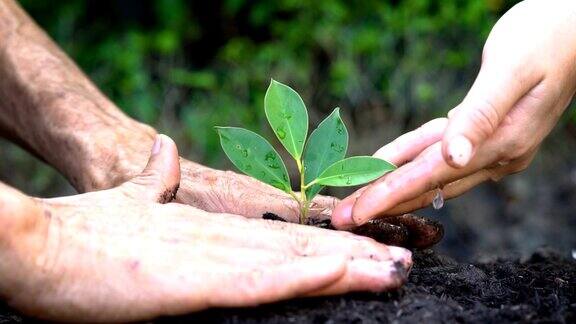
x=128, y=253
x=527, y=79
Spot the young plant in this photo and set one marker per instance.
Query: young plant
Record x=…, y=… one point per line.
x=320, y=159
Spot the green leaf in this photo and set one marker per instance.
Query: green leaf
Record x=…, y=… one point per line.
x=287, y=116
x=253, y=155
x=327, y=144
x=354, y=171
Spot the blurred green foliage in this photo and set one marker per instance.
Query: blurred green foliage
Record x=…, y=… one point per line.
x=186, y=66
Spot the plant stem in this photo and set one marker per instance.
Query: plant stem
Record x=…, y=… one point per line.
x=303, y=201
x=293, y=195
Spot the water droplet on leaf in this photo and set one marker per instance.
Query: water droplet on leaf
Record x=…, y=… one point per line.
x=270, y=156
x=336, y=147
x=438, y=201
x=281, y=132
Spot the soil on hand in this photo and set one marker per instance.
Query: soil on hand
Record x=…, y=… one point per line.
x=538, y=288
x=406, y=230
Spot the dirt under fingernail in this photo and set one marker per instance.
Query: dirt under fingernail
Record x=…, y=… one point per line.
x=168, y=195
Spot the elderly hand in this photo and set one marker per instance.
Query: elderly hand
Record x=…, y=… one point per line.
x=127, y=254
x=527, y=79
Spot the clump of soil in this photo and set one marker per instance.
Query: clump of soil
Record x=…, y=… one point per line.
x=406, y=230
x=538, y=288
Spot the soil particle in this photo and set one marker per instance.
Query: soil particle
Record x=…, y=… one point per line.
x=272, y=216
x=168, y=195
x=401, y=272
x=322, y=223
x=383, y=232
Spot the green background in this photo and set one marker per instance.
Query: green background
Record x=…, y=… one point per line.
x=186, y=66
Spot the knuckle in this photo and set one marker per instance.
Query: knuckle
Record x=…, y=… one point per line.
x=229, y=179
x=250, y=285
x=515, y=148
x=302, y=245
x=484, y=118
x=436, y=124
x=254, y=278
x=518, y=165
x=393, y=182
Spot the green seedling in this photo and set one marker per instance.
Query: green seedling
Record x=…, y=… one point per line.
x=320, y=159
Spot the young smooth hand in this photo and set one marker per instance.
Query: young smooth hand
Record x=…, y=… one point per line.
x=527, y=79
x=128, y=254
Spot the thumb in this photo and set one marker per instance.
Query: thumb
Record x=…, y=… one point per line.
x=496, y=90
x=160, y=178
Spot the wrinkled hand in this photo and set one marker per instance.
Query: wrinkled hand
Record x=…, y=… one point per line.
x=229, y=192
x=527, y=79
x=126, y=254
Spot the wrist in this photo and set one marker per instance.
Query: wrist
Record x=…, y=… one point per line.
x=49, y=107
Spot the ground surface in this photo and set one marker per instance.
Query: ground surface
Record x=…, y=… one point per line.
x=540, y=287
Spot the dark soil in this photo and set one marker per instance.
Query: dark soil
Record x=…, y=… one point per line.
x=538, y=288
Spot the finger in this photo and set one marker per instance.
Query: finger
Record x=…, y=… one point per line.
x=288, y=239
x=160, y=178
x=406, y=147
x=259, y=285
x=367, y=275
x=403, y=149
x=342, y=215
x=496, y=90
x=428, y=171
x=460, y=186
x=449, y=191
x=230, y=192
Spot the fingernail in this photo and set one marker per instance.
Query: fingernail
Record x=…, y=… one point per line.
x=460, y=150
x=157, y=145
